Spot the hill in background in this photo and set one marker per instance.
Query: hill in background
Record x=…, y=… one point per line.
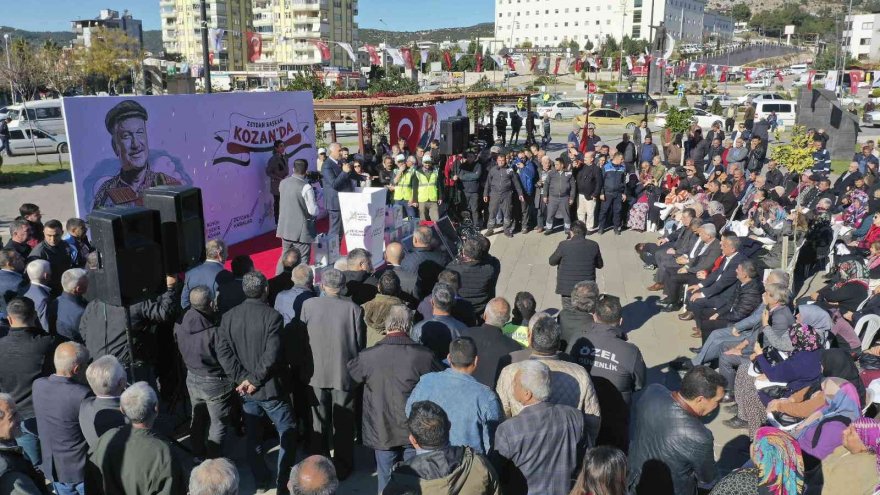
x=152, y=39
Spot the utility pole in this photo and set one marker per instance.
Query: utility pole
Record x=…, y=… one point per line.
x=205, y=58
x=622, y=34
x=843, y=49
x=9, y=68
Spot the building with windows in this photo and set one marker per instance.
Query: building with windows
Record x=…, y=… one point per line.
x=286, y=28
x=718, y=26
x=858, y=36
x=550, y=22
x=182, y=30
x=107, y=19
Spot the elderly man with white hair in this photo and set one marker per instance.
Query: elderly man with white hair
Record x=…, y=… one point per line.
x=100, y=413
x=336, y=177
x=133, y=458
x=57, y=399
x=17, y=475
x=539, y=447
x=39, y=272
x=214, y=477
x=65, y=312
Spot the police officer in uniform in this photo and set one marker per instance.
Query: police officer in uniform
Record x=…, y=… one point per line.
x=470, y=173
x=427, y=195
x=613, y=193
x=127, y=125
x=500, y=182
x=559, y=191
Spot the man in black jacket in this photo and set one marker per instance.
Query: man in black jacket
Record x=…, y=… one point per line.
x=588, y=179
x=55, y=251
x=617, y=369
x=746, y=297
x=358, y=284
x=12, y=283
x=249, y=348
x=774, y=176
x=230, y=293
x=19, y=235
x=283, y=281
x=666, y=248
x=478, y=275
x=470, y=172
x=424, y=260
x=210, y=390
x=102, y=327
x=27, y=355
x=717, y=287
x=493, y=346
x=578, y=317
x=390, y=370
x=577, y=259
x=500, y=184
x=559, y=193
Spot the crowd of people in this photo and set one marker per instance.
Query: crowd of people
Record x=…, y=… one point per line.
x=455, y=389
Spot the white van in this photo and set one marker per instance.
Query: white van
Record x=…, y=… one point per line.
x=786, y=110
x=798, y=69
x=43, y=114
x=818, y=80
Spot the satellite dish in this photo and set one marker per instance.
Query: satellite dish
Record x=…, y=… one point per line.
x=670, y=46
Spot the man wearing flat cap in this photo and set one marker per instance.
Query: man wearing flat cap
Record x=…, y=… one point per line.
x=127, y=125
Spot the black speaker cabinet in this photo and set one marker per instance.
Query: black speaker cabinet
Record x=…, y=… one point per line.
x=130, y=255
x=454, y=135
x=183, y=225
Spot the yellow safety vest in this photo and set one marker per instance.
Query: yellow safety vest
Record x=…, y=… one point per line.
x=427, y=186
x=403, y=190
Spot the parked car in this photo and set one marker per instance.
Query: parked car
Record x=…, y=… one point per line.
x=560, y=110
x=759, y=96
x=872, y=119
x=706, y=101
x=3, y=112
x=46, y=115
x=702, y=118
x=607, y=116
x=20, y=142
x=628, y=102
x=347, y=128
x=763, y=83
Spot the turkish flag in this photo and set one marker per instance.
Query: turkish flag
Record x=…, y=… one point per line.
x=701, y=70
x=325, y=50
x=533, y=63
x=479, y=57
x=810, y=75
x=578, y=64
x=855, y=77
x=448, y=59
x=749, y=73
x=254, y=46
x=723, y=76
x=556, y=67
x=407, y=57
x=779, y=75
x=374, y=55
x=211, y=58
x=510, y=63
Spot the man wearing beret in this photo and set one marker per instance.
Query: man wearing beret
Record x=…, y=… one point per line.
x=127, y=125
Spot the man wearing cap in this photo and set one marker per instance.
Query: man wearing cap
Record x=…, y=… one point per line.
x=127, y=125
x=500, y=183
x=426, y=194
x=322, y=155
x=405, y=184
x=4, y=134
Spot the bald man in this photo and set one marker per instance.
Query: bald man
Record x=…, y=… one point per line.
x=314, y=474
x=56, y=401
x=394, y=256
x=494, y=347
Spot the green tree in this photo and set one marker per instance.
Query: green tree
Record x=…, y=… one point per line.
x=684, y=101
x=741, y=12
x=826, y=60
x=588, y=45
x=309, y=81
x=679, y=122
x=391, y=82
x=525, y=44
x=716, y=109
x=796, y=155
x=112, y=56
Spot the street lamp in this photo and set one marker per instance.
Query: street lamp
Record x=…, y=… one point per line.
x=384, y=41
x=9, y=67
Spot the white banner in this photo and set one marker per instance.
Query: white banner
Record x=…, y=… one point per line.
x=348, y=50
x=396, y=57
x=363, y=220
x=831, y=80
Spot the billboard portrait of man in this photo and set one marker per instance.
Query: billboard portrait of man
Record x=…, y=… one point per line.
x=127, y=124
x=429, y=130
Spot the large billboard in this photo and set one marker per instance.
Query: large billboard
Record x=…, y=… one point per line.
x=418, y=126
x=121, y=146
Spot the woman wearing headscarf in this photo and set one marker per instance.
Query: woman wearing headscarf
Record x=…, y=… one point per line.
x=645, y=194
x=800, y=369
x=848, y=292
x=836, y=363
x=778, y=468
x=852, y=468
x=856, y=209
x=819, y=433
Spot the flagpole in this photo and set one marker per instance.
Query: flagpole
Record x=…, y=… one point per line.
x=205, y=57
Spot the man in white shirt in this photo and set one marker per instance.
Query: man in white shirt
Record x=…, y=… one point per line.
x=299, y=209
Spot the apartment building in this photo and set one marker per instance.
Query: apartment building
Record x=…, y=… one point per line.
x=107, y=19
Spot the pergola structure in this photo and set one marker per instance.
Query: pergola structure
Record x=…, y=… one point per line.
x=360, y=110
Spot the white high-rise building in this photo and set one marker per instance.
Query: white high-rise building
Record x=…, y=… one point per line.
x=859, y=38
x=550, y=22
x=107, y=19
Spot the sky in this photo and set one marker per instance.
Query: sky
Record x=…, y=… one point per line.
x=55, y=15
